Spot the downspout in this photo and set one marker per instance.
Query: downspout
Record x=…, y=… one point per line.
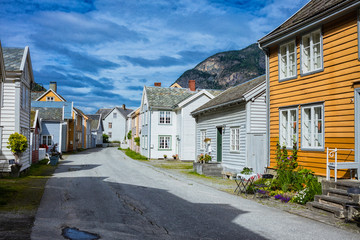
x=267, y=66
x=149, y=134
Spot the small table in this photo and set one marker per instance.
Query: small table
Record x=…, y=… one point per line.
x=243, y=181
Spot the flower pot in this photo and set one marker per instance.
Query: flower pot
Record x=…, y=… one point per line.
x=15, y=170
x=54, y=160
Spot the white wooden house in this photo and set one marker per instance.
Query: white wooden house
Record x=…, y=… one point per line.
x=167, y=127
x=235, y=121
x=114, y=122
x=15, y=105
x=97, y=129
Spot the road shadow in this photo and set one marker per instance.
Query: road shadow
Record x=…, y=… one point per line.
x=183, y=219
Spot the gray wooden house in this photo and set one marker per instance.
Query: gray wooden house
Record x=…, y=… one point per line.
x=235, y=121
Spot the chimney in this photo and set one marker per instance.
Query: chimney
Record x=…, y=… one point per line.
x=123, y=107
x=157, y=84
x=192, y=85
x=53, y=86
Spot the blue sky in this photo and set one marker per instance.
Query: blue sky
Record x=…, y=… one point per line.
x=101, y=53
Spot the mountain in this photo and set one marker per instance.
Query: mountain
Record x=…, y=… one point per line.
x=37, y=87
x=226, y=69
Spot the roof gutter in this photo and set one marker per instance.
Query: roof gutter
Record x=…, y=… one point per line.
x=309, y=23
x=195, y=113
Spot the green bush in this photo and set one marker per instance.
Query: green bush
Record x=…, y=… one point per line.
x=137, y=140
x=18, y=144
x=129, y=135
x=105, y=138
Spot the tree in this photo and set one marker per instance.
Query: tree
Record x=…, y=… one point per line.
x=18, y=144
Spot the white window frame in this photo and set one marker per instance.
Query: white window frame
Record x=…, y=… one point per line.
x=50, y=99
x=312, y=54
x=145, y=142
x=110, y=125
x=309, y=137
x=48, y=137
x=110, y=134
x=202, y=138
x=165, y=117
x=287, y=127
x=165, y=138
x=1, y=130
x=285, y=63
x=234, y=139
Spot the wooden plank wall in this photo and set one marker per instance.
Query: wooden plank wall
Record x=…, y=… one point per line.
x=334, y=86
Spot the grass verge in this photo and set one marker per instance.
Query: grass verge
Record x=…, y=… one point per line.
x=133, y=154
x=25, y=192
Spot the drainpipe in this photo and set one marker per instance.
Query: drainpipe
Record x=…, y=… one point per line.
x=267, y=55
x=149, y=134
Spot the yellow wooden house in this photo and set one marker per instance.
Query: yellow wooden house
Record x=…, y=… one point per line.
x=313, y=86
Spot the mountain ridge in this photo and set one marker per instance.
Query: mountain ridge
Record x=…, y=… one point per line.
x=226, y=69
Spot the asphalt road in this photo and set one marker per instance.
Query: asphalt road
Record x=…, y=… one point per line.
x=102, y=191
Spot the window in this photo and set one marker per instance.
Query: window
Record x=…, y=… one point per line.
x=0, y=137
x=25, y=97
x=165, y=117
x=145, y=141
x=288, y=127
x=311, y=52
x=110, y=134
x=114, y=115
x=312, y=127
x=110, y=124
x=235, y=139
x=202, y=139
x=50, y=99
x=47, y=139
x=165, y=142
x=287, y=60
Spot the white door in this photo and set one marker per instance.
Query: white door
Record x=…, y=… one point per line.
x=256, y=152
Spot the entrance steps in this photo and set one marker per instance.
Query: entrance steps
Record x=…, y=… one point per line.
x=335, y=200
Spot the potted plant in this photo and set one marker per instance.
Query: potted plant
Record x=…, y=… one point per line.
x=165, y=156
x=54, y=155
x=17, y=143
x=204, y=158
x=175, y=156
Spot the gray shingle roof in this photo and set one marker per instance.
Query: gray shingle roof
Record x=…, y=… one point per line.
x=312, y=9
x=125, y=111
x=160, y=97
x=49, y=113
x=95, y=118
x=104, y=111
x=13, y=58
x=231, y=95
x=36, y=95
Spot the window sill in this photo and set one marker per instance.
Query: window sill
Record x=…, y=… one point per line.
x=312, y=149
x=164, y=149
x=287, y=79
x=312, y=72
x=235, y=152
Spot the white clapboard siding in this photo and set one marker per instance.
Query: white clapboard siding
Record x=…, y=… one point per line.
x=258, y=115
x=234, y=116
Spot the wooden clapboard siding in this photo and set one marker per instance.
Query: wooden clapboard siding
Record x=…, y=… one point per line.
x=333, y=86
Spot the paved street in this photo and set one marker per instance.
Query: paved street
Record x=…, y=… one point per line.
x=102, y=191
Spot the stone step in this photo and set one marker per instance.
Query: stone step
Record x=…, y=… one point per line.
x=333, y=201
x=347, y=184
x=337, y=212
x=335, y=192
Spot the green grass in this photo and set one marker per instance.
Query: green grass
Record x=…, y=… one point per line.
x=175, y=165
x=134, y=155
x=25, y=192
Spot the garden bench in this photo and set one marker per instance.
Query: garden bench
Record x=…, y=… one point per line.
x=339, y=165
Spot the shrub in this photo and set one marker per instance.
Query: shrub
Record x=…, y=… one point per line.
x=18, y=144
x=129, y=135
x=137, y=140
x=105, y=138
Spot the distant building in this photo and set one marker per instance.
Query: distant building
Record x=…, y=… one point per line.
x=114, y=121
